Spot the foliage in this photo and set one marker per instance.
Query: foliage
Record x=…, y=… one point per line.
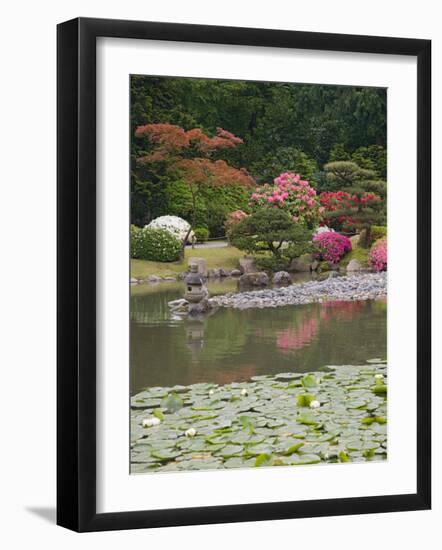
x=284, y=159
x=290, y=194
x=267, y=230
x=157, y=245
x=331, y=246
x=175, y=225
x=201, y=234
x=191, y=156
x=341, y=208
x=273, y=119
x=357, y=253
x=365, y=205
x=378, y=255
x=378, y=232
x=233, y=218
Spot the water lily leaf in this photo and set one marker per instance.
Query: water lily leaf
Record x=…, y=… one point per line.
x=291, y=448
x=247, y=424
x=309, y=381
x=307, y=418
x=172, y=403
x=304, y=399
x=343, y=456
x=165, y=454
x=158, y=413
x=263, y=459
x=231, y=450
x=298, y=460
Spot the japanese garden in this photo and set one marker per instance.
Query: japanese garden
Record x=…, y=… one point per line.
x=258, y=274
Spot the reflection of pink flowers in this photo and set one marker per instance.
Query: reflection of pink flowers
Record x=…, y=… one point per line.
x=297, y=337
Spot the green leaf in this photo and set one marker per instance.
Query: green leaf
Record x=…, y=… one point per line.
x=292, y=448
x=307, y=418
x=304, y=399
x=309, y=381
x=343, y=457
x=172, y=403
x=379, y=389
x=247, y=424
x=158, y=413
x=263, y=459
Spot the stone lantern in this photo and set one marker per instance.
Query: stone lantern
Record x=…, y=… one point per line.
x=196, y=289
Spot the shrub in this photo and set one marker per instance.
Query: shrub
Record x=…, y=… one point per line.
x=234, y=218
x=292, y=195
x=274, y=231
x=331, y=246
x=157, y=245
x=272, y=263
x=378, y=255
x=378, y=232
x=173, y=224
x=201, y=234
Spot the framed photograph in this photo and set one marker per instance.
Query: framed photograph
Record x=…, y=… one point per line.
x=243, y=274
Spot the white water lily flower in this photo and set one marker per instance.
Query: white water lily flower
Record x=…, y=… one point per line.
x=379, y=376
x=314, y=404
x=191, y=432
x=244, y=392
x=151, y=421
x=211, y=392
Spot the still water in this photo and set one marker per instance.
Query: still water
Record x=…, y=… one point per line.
x=233, y=345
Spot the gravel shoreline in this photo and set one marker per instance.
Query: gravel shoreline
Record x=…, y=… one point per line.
x=367, y=286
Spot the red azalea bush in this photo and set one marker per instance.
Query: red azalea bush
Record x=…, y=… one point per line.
x=331, y=246
x=378, y=255
x=292, y=194
x=332, y=201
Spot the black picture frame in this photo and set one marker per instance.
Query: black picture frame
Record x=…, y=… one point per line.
x=76, y=274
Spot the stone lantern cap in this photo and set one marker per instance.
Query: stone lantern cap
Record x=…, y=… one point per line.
x=194, y=278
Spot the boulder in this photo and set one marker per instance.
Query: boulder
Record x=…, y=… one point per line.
x=203, y=306
x=354, y=265
x=201, y=263
x=213, y=273
x=154, y=279
x=299, y=266
x=175, y=304
x=223, y=272
x=259, y=278
x=282, y=278
x=235, y=273
x=133, y=281
x=247, y=265
x=169, y=279
x=314, y=265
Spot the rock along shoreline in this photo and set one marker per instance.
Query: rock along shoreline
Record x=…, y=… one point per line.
x=367, y=286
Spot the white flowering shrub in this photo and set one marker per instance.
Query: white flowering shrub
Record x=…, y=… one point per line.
x=175, y=225
x=323, y=229
x=157, y=245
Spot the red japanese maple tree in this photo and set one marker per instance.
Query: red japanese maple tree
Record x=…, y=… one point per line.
x=190, y=153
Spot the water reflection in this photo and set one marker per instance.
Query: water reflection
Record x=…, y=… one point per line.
x=234, y=345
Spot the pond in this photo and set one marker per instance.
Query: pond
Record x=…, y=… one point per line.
x=233, y=345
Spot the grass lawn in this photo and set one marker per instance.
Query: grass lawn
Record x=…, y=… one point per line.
x=358, y=253
x=215, y=257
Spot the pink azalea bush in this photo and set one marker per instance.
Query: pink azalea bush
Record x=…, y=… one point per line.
x=233, y=218
x=331, y=246
x=378, y=255
x=292, y=194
